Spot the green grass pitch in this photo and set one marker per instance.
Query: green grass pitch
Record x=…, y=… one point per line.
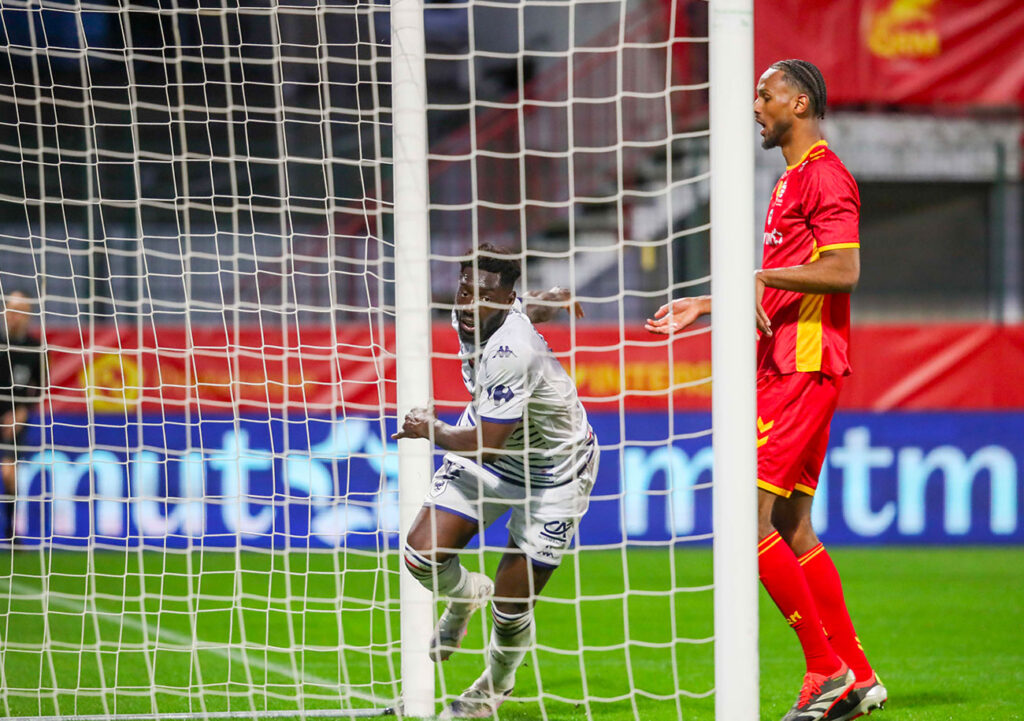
x=944, y=627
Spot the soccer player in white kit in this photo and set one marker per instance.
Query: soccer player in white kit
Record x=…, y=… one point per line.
x=523, y=443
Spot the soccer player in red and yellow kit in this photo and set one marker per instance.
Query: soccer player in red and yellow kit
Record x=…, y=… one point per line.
x=811, y=264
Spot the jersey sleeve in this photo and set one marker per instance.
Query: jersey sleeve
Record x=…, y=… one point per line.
x=832, y=206
x=504, y=385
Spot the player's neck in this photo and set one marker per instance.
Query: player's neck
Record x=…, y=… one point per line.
x=799, y=142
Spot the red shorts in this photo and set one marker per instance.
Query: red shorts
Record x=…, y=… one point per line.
x=793, y=416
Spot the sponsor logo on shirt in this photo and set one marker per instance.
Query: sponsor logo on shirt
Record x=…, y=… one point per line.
x=504, y=352
x=501, y=393
x=772, y=237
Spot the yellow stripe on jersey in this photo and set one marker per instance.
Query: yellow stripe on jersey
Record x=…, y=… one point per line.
x=808, y=328
x=808, y=333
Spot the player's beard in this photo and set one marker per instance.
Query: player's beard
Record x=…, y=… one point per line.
x=773, y=135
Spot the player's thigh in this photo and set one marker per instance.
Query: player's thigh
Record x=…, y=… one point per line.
x=458, y=505
x=439, y=533
x=518, y=580
x=794, y=413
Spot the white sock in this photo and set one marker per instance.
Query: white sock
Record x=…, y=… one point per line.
x=510, y=639
x=448, y=578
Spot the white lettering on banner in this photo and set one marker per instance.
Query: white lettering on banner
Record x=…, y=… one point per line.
x=184, y=514
x=959, y=472
x=313, y=472
x=349, y=481
x=64, y=477
x=108, y=477
x=855, y=460
x=235, y=462
x=681, y=472
x=217, y=482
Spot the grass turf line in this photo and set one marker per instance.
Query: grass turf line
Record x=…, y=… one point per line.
x=943, y=626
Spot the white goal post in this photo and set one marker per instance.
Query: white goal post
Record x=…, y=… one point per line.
x=734, y=406
x=412, y=318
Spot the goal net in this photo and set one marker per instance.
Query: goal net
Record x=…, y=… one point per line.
x=197, y=233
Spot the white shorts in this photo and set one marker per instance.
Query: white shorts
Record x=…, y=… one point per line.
x=543, y=522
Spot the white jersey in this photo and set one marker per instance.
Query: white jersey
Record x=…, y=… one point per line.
x=517, y=379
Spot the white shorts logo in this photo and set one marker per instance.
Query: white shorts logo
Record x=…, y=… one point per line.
x=441, y=479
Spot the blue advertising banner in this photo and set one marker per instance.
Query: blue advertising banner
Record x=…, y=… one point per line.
x=934, y=478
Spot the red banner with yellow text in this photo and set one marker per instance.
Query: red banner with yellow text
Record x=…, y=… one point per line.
x=348, y=369
x=901, y=51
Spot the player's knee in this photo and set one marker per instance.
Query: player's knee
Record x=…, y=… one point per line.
x=795, y=530
x=785, y=526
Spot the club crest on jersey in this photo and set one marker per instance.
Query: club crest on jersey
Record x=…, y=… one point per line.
x=501, y=393
x=503, y=352
x=772, y=237
x=780, y=190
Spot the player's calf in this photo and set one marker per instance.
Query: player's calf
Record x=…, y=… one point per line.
x=511, y=633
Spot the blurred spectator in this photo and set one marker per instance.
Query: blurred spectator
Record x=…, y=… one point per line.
x=22, y=375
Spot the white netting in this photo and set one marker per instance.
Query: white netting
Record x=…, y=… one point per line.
x=198, y=195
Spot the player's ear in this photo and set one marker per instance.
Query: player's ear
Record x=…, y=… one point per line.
x=801, y=104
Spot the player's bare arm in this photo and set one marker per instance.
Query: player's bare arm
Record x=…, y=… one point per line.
x=464, y=440
x=835, y=271
x=684, y=312
x=543, y=305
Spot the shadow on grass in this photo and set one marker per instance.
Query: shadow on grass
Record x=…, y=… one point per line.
x=922, y=699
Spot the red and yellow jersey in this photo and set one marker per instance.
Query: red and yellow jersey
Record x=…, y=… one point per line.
x=815, y=207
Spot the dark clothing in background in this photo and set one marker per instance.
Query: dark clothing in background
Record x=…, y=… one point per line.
x=22, y=376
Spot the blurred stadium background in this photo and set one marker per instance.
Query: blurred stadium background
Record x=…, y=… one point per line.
x=169, y=183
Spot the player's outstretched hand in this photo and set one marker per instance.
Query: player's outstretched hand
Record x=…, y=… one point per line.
x=554, y=300
x=417, y=424
x=563, y=296
x=679, y=314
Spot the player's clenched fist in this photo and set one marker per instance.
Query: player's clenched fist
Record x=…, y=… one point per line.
x=417, y=424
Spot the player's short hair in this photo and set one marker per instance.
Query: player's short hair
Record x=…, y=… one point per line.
x=806, y=78
x=495, y=259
